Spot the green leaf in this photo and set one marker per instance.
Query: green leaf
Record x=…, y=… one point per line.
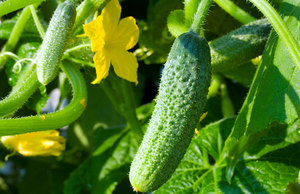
x=154, y=35
x=101, y=172
x=278, y=136
x=26, y=50
x=30, y=30
x=196, y=175
x=214, y=136
x=98, y=122
x=176, y=23
x=190, y=8
x=109, y=163
x=274, y=95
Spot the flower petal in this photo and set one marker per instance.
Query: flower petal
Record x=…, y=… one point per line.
x=111, y=16
x=125, y=64
x=102, y=64
x=102, y=28
x=127, y=34
x=94, y=30
x=42, y=143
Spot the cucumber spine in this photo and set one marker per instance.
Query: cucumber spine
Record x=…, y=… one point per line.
x=179, y=105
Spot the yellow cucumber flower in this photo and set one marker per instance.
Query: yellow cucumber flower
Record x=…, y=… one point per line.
x=41, y=143
x=111, y=39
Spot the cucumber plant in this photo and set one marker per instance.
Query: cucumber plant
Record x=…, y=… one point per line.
x=248, y=142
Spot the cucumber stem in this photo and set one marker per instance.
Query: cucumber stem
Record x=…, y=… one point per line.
x=15, y=35
x=281, y=29
x=121, y=95
x=200, y=15
x=130, y=112
x=235, y=11
x=53, y=120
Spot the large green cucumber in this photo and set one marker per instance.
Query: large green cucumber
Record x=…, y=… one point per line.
x=179, y=104
x=54, y=43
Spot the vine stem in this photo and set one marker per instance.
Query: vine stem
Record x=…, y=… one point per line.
x=200, y=15
x=20, y=93
x=281, y=29
x=15, y=35
x=37, y=21
x=75, y=48
x=235, y=11
x=130, y=112
x=52, y=120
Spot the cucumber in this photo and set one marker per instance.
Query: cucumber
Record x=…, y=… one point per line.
x=179, y=104
x=54, y=43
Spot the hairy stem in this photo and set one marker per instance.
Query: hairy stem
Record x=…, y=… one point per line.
x=200, y=16
x=37, y=22
x=52, y=120
x=25, y=87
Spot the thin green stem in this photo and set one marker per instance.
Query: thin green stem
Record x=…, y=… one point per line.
x=24, y=88
x=80, y=61
x=227, y=106
x=214, y=85
x=37, y=22
x=200, y=16
x=281, y=29
x=107, y=88
x=53, y=120
x=130, y=113
x=75, y=48
x=120, y=93
x=15, y=35
x=235, y=11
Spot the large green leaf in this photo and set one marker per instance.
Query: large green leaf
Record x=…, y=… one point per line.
x=274, y=96
x=101, y=172
x=110, y=162
x=199, y=174
x=279, y=136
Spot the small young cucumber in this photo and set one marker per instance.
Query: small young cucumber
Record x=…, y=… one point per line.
x=54, y=42
x=179, y=104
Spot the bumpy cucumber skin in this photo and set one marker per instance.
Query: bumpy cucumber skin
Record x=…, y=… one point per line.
x=179, y=104
x=239, y=46
x=54, y=42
